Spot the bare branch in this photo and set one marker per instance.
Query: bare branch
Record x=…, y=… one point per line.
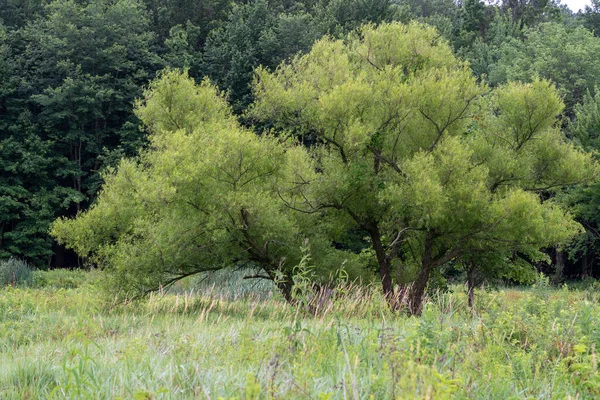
x=258, y=276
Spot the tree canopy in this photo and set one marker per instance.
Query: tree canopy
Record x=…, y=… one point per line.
x=202, y=197
x=432, y=165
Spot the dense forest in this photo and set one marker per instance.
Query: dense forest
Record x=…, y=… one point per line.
x=72, y=72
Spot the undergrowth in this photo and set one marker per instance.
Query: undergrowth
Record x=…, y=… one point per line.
x=62, y=342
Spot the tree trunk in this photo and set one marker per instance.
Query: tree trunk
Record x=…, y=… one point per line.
x=417, y=290
x=471, y=286
x=285, y=287
x=384, y=268
x=559, y=265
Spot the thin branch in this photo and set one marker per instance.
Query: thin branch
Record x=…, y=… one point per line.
x=388, y=161
x=258, y=276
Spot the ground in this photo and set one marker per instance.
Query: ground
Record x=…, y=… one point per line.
x=58, y=339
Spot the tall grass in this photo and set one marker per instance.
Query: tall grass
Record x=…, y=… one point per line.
x=15, y=272
x=198, y=343
x=231, y=283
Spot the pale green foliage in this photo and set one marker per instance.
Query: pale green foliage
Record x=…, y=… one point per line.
x=172, y=103
x=202, y=197
x=418, y=154
x=521, y=144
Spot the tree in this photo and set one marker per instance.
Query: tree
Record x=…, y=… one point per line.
x=585, y=126
x=67, y=86
x=255, y=34
x=567, y=56
x=338, y=17
x=472, y=23
x=529, y=12
x=200, y=198
x=585, y=201
x=29, y=198
x=591, y=17
x=180, y=49
x=483, y=52
x=206, y=15
x=16, y=13
x=413, y=152
x=265, y=33
x=431, y=8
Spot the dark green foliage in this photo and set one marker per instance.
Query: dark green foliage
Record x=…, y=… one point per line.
x=181, y=50
x=529, y=12
x=585, y=201
x=585, y=127
x=67, y=86
x=29, y=196
x=591, y=17
x=567, y=56
x=342, y=16
x=431, y=8
x=260, y=34
x=472, y=23
x=483, y=51
x=205, y=14
x=16, y=13
x=86, y=65
x=254, y=35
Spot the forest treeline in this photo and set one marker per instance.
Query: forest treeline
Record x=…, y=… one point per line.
x=71, y=71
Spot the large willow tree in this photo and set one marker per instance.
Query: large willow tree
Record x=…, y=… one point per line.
x=414, y=152
x=202, y=197
x=406, y=147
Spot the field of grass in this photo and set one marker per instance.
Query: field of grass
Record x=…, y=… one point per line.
x=58, y=340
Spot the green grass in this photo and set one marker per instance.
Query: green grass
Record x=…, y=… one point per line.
x=58, y=342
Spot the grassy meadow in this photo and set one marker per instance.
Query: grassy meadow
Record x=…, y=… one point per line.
x=58, y=340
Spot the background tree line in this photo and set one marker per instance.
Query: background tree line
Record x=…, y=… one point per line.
x=70, y=72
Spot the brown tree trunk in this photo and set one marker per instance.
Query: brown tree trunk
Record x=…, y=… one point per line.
x=417, y=290
x=471, y=286
x=385, y=271
x=285, y=287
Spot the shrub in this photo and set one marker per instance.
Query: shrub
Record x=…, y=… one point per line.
x=15, y=272
x=61, y=278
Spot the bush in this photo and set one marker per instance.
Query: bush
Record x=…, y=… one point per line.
x=15, y=272
x=62, y=278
